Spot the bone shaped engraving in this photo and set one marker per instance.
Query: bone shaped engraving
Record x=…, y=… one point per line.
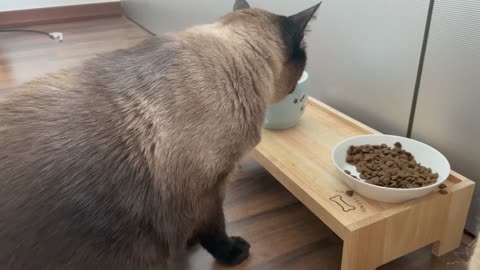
x=344, y=205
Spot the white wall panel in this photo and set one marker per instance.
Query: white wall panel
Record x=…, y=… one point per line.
x=363, y=54
x=448, y=108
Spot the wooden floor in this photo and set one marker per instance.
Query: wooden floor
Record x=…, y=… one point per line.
x=283, y=233
x=24, y=56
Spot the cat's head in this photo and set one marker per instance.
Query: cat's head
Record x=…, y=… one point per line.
x=283, y=36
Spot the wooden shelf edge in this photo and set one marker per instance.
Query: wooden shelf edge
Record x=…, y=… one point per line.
x=351, y=121
x=336, y=226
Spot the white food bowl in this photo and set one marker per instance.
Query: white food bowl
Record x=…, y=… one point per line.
x=425, y=154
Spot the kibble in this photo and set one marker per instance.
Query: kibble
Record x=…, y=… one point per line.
x=443, y=191
x=389, y=166
x=442, y=186
x=347, y=172
x=349, y=193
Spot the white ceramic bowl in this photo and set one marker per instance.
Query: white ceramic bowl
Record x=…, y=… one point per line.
x=286, y=113
x=425, y=154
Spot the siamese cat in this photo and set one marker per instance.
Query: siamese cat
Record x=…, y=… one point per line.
x=121, y=162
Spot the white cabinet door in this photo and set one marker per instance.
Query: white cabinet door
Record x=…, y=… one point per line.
x=448, y=108
x=365, y=57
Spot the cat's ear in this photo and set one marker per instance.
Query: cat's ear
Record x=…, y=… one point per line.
x=301, y=19
x=240, y=4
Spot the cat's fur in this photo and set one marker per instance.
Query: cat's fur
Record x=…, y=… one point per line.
x=118, y=163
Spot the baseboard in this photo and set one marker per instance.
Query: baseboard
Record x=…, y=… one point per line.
x=17, y=18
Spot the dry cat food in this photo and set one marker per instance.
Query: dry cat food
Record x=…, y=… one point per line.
x=349, y=193
x=443, y=191
x=386, y=166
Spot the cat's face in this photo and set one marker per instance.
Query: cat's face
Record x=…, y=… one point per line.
x=285, y=38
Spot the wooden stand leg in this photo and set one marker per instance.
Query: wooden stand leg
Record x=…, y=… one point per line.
x=363, y=249
x=455, y=223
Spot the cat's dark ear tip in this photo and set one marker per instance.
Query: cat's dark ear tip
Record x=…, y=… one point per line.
x=315, y=8
x=240, y=4
x=301, y=19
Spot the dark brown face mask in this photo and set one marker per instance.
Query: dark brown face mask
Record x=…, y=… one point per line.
x=292, y=31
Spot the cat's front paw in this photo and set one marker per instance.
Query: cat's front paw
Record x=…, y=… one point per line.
x=236, y=253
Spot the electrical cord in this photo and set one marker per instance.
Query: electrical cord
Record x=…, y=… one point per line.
x=57, y=36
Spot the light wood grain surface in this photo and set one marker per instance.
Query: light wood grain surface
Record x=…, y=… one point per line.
x=24, y=56
x=300, y=159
